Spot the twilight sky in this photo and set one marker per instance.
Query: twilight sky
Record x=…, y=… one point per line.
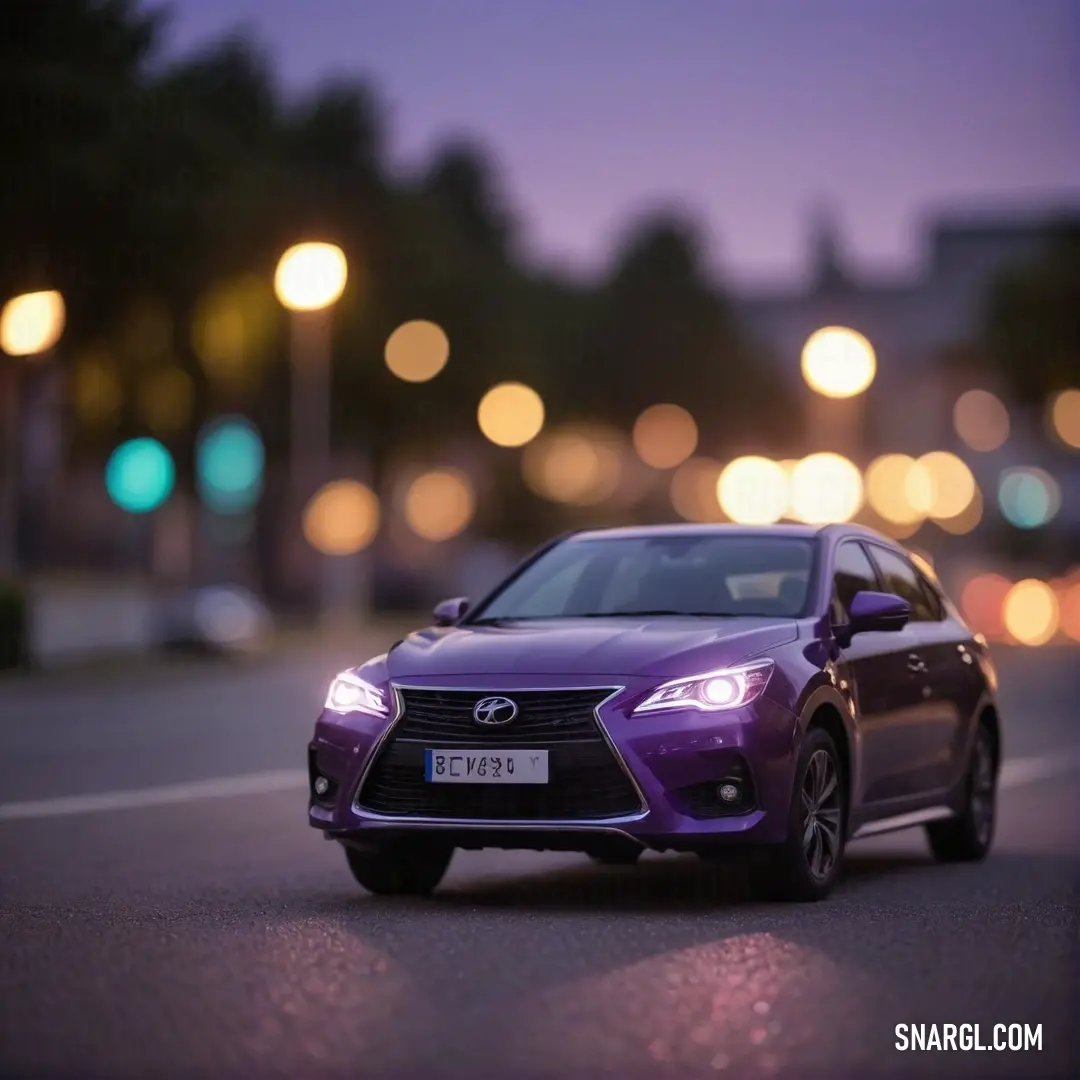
x=748, y=111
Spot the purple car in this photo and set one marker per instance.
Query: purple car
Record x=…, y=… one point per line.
x=722, y=690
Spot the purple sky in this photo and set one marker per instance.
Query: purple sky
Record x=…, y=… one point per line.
x=747, y=111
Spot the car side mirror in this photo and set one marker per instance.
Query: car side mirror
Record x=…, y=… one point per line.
x=877, y=611
x=450, y=611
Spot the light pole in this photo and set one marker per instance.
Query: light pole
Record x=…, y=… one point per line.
x=30, y=326
x=838, y=365
x=310, y=279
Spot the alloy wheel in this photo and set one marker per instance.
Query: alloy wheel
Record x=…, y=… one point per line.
x=821, y=815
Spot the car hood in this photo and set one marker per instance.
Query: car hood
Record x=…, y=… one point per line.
x=659, y=646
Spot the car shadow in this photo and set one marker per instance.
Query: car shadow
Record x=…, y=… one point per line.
x=683, y=884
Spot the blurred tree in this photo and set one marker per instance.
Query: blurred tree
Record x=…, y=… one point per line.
x=69, y=70
x=441, y=251
x=1031, y=321
x=660, y=317
x=462, y=180
x=159, y=196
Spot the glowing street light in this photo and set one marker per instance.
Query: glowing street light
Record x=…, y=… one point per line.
x=311, y=276
x=310, y=279
x=838, y=362
x=30, y=326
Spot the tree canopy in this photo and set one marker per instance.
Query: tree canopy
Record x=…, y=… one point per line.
x=158, y=195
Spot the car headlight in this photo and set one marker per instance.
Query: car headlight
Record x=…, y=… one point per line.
x=351, y=694
x=712, y=691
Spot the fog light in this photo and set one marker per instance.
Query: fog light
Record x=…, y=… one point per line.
x=322, y=785
x=729, y=793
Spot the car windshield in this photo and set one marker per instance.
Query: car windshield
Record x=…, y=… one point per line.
x=689, y=575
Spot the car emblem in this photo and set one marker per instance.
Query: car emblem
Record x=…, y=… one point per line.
x=494, y=710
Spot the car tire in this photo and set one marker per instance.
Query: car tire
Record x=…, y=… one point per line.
x=400, y=869
x=969, y=836
x=805, y=867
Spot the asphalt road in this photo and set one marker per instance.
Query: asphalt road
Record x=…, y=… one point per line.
x=203, y=930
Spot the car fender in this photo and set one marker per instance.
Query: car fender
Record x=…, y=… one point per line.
x=971, y=726
x=821, y=692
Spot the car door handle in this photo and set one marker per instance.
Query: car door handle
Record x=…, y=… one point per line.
x=915, y=664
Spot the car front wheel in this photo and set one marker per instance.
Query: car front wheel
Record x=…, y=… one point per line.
x=968, y=837
x=805, y=867
x=401, y=869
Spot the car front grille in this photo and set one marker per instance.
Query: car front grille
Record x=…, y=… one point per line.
x=585, y=779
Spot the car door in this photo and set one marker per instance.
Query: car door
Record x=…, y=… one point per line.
x=948, y=647
x=925, y=743
x=874, y=665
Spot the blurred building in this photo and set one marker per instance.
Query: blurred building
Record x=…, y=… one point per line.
x=924, y=328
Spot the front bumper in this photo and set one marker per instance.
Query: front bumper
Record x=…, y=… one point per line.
x=675, y=762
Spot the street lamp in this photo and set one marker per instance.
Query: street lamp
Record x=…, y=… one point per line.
x=30, y=326
x=838, y=365
x=838, y=362
x=309, y=280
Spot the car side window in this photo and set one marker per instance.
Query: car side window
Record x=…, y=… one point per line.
x=852, y=573
x=933, y=598
x=901, y=578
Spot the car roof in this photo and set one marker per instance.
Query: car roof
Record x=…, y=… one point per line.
x=781, y=529
x=805, y=532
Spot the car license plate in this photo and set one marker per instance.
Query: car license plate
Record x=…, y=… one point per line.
x=486, y=766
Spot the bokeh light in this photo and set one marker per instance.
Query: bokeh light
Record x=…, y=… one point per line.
x=665, y=436
x=1070, y=610
x=342, y=518
x=1031, y=612
x=889, y=479
x=139, y=475
x=229, y=465
x=838, y=362
x=97, y=396
x=1029, y=498
x=951, y=486
x=165, y=400
x=967, y=520
x=417, y=351
x=510, y=414
x=981, y=420
x=311, y=276
x=753, y=491
x=440, y=504
x=982, y=602
x=825, y=488
x=234, y=330
x=1065, y=417
x=32, y=323
x=693, y=490
x=897, y=530
x=572, y=467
